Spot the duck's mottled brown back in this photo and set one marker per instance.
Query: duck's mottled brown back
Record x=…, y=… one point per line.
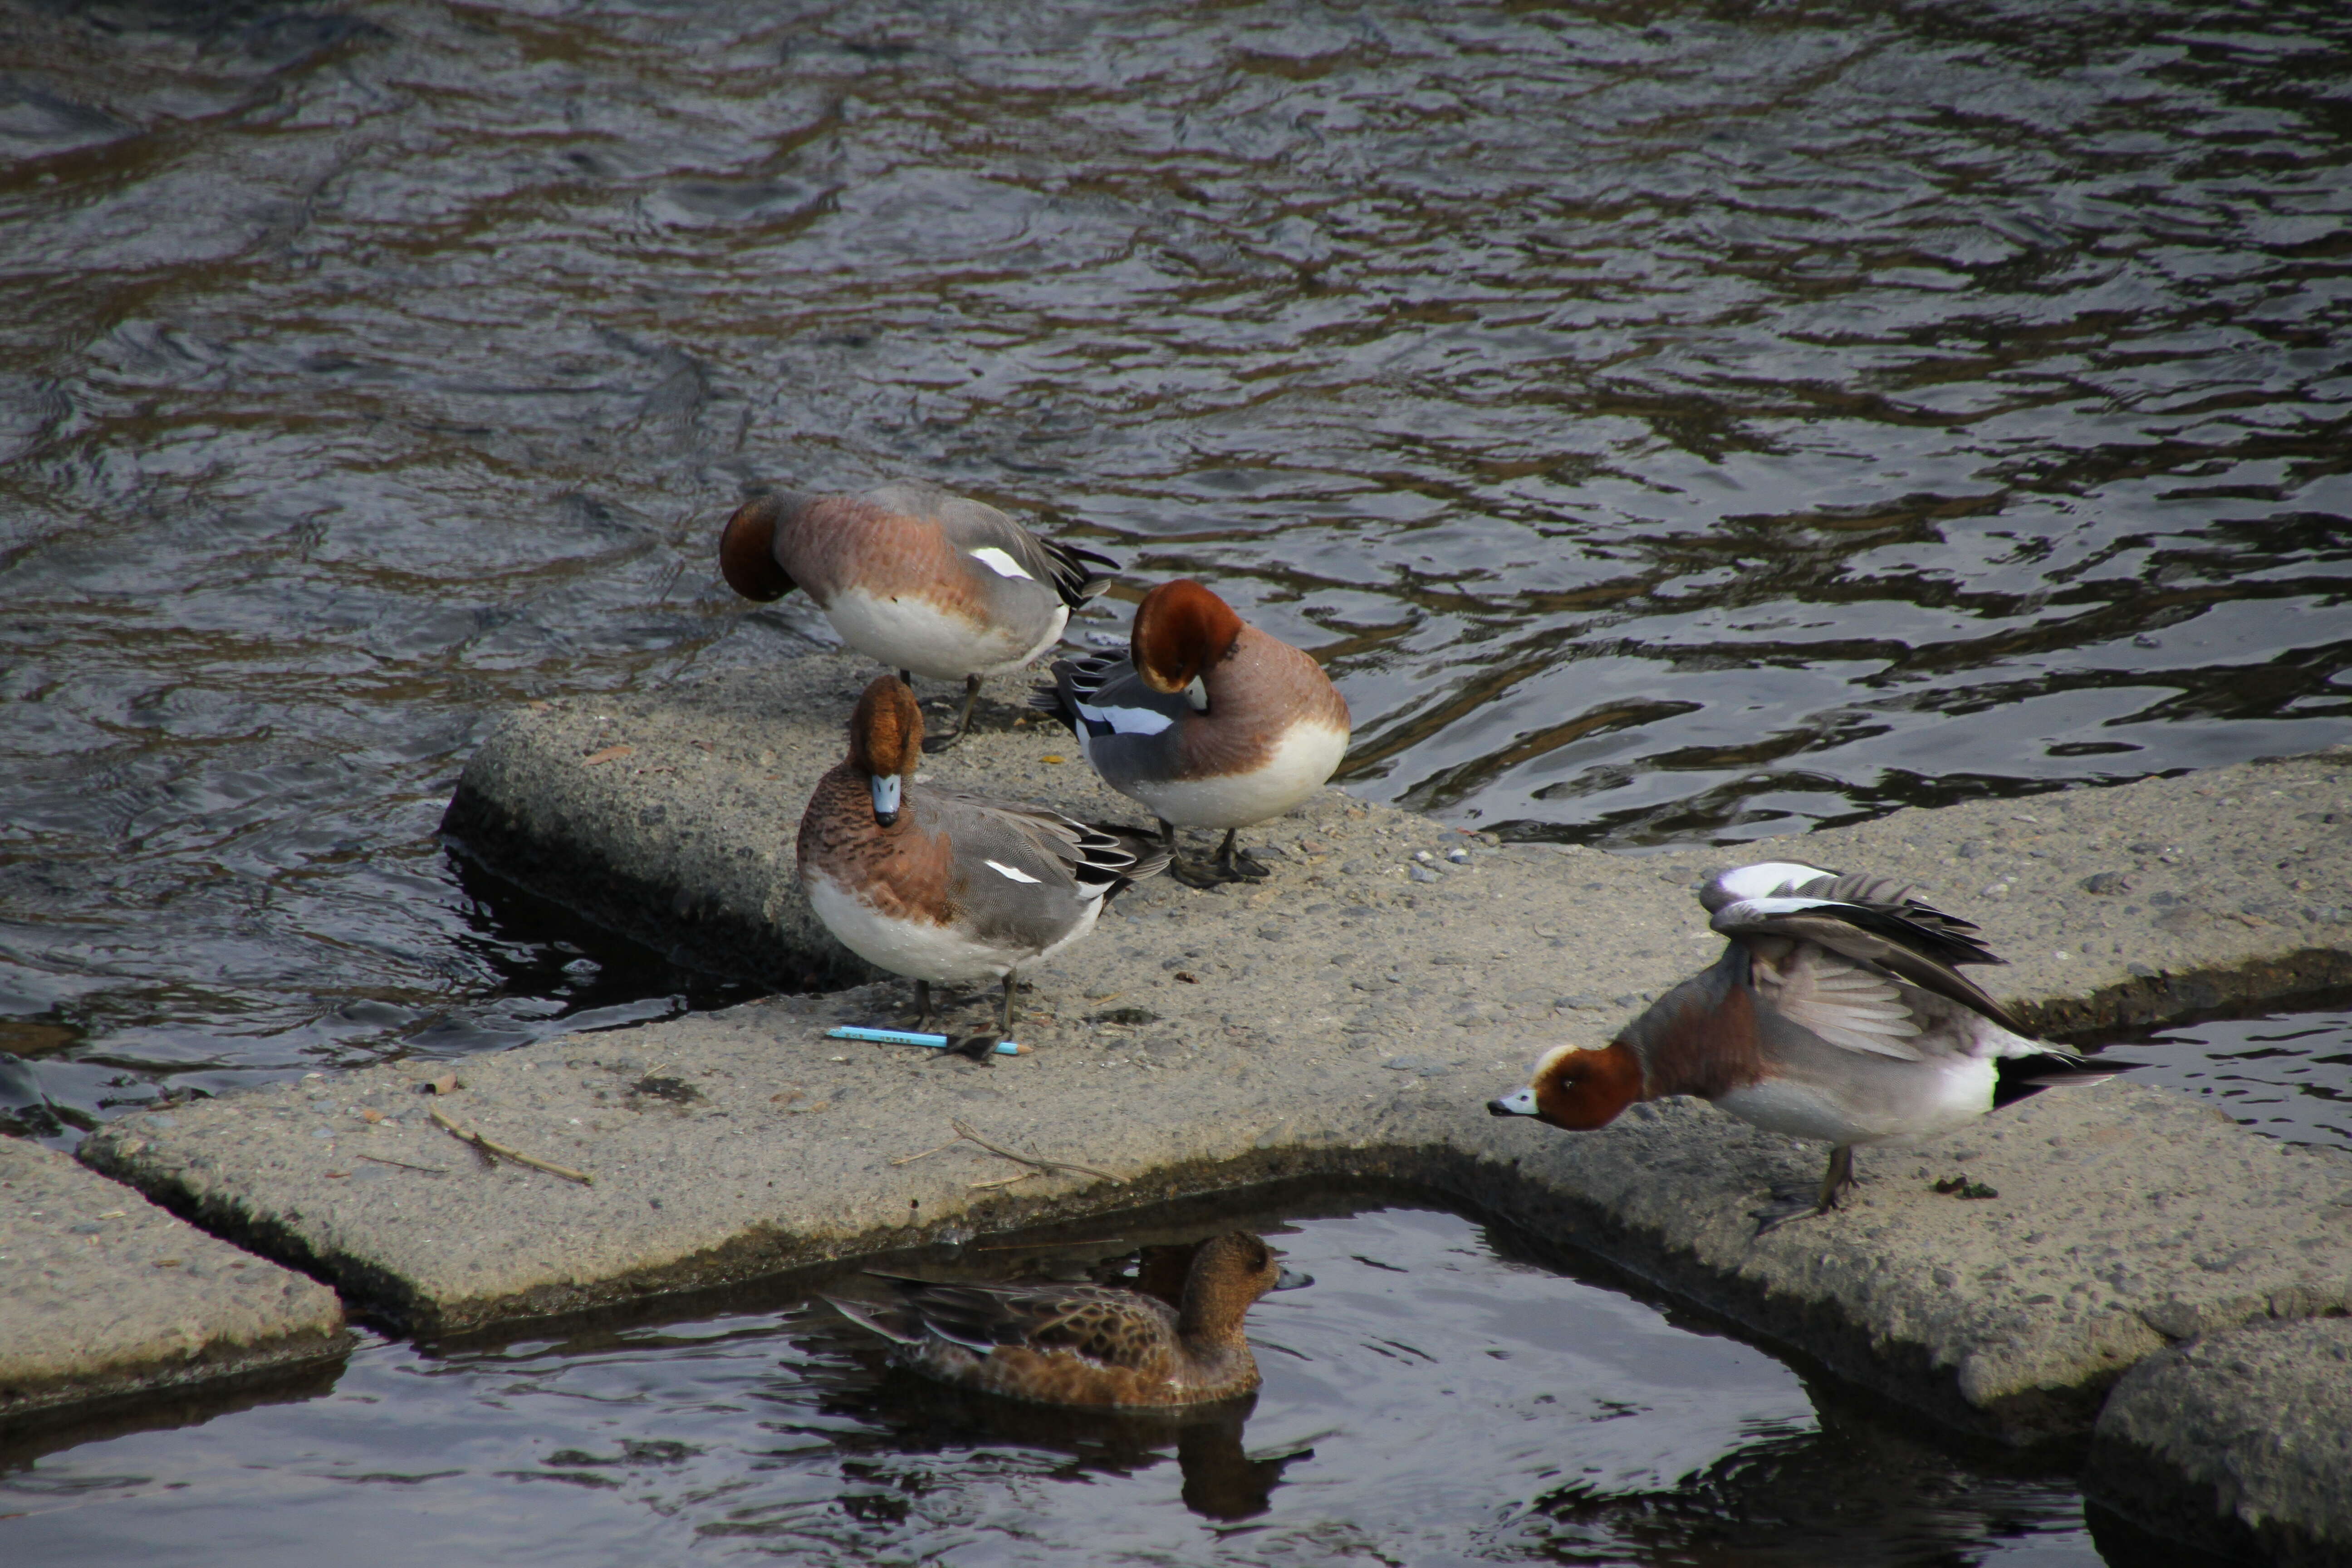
x=1085, y=1344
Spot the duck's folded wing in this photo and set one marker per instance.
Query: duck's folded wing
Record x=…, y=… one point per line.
x=1114, y=1328
x=1034, y=843
x=1921, y=953
x=1102, y=695
x=979, y=529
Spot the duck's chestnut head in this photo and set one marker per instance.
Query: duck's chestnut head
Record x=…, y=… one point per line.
x=1577, y=1090
x=886, y=741
x=747, y=551
x=1181, y=630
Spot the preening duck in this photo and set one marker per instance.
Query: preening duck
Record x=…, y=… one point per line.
x=941, y=886
x=1837, y=1011
x=929, y=583
x=1206, y=720
x=1088, y=1344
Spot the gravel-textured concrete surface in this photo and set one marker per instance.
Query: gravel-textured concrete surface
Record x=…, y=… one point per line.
x=102, y=1293
x=1351, y=1015
x=2240, y=1443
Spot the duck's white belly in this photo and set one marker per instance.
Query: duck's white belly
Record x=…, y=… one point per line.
x=1302, y=761
x=913, y=634
x=915, y=949
x=1908, y=1100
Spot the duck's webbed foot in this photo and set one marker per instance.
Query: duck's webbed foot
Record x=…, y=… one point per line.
x=1787, y=1203
x=1197, y=873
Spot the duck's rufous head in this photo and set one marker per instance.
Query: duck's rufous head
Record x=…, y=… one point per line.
x=886, y=741
x=1181, y=629
x=1577, y=1090
x=747, y=551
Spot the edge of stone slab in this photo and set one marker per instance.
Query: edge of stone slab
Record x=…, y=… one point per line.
x=1500, y=1186
x=2172, y=997
x=125, y=1385
x=190, y=1332
x=2224, y=1480
x=763, y=1253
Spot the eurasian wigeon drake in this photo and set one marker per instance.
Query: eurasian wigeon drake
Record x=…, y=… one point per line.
x=1206, y=719
x=943, y=886
x=1837, y=1011
x=929, y=583
x=1088, y=1344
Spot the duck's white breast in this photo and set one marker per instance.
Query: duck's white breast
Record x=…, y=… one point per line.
x=908, y=632
x=919, y=950
x=1300, y=763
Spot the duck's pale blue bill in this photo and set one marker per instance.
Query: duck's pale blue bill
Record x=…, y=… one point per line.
x=1292, y=1280
x=886, y=798
x=1520, y=1104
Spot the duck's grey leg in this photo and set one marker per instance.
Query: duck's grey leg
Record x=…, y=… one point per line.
x=1837, y=1178
x=1238, y=865
x=922, y=1006
x=1005, y=1018
x=963, y=724
x=1193, y=873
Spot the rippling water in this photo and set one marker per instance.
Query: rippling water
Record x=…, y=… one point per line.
x=1671, y=423
x=1434, y=1398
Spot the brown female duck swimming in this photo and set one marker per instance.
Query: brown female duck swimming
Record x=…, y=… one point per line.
x=1088, y=1344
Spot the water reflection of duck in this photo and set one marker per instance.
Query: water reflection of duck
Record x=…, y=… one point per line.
x=1222, y=1480
x=929, y=583
x=1837, y=1012
x=1061, y=1343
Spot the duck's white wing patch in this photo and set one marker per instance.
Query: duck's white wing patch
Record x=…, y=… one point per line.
x=1765, y=877
x=1126, y=720
x=1013, y=872
x=1001, y=564
x=1854, y=1008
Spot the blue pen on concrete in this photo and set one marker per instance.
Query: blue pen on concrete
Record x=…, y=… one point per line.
x=910, y=1037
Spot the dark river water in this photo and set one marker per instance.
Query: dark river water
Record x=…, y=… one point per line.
x=1671, y=423
x=1438, y=1396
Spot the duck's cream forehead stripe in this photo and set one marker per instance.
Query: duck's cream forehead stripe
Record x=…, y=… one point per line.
x=1765, y=878
x=1551, y=1055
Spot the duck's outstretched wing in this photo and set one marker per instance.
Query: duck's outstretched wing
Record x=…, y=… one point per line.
x=1110, y=1328
x=1897, y=938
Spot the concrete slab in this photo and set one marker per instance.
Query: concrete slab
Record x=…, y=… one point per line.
x=1349, y=1017
x=671, y=818
x=102, y=1294
x=2240, y=1443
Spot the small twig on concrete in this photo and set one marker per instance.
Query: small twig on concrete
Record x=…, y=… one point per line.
x=928, y=1153
x=468, y=1135
x=1044, y=1166
x=1007, y=1181
x=428, y=1170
